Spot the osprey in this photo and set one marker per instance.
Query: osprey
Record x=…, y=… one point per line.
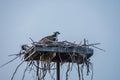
x=50, y=39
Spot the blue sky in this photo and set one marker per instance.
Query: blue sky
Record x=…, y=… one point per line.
x=95, y=20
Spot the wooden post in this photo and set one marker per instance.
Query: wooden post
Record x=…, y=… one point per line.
x=58, y=71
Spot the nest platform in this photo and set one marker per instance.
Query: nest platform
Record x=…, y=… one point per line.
x=58, y=53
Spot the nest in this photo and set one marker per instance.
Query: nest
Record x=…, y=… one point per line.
x=42, y=59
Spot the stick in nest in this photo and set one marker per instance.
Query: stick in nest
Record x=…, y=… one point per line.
x=67, y=71
x=9, y=62
x=79, y=72
x=20, y=65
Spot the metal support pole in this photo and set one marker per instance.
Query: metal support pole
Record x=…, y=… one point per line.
x=58, y=71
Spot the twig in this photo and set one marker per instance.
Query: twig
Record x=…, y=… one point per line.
x=31, y=39
x=82, y=66
x=67, y=71
x=44, y=72
x=79, y=71
x=25, y=72
x=9, y=62
x=37, y=68
x=21, y=64
x=52, y=75
x=91, y=70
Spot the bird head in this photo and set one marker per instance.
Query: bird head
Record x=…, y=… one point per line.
x=56, y=33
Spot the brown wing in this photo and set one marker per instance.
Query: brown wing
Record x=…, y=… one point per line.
x=48, y=39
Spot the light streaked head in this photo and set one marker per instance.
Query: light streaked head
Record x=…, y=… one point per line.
x=56, y=33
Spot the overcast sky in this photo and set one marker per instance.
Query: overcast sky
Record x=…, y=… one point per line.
x=95, y=20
